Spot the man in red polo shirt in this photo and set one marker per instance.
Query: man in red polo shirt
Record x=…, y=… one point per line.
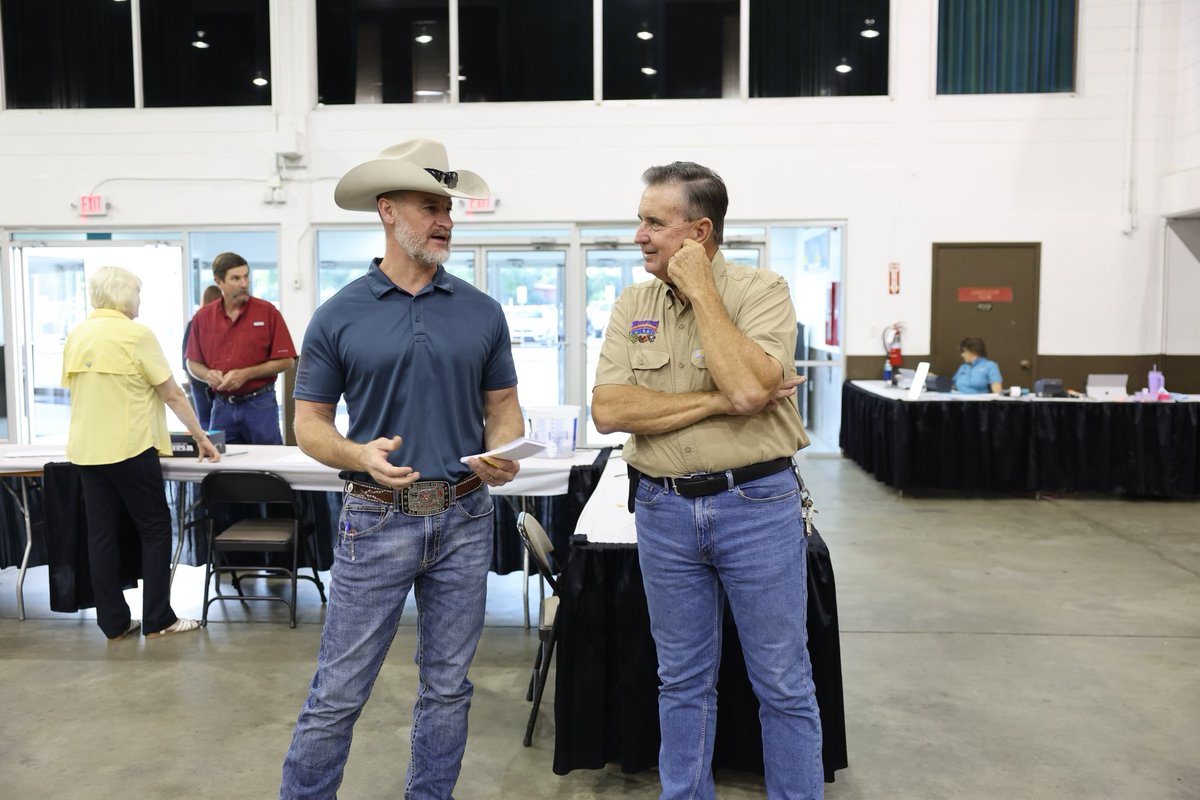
x=237, y=347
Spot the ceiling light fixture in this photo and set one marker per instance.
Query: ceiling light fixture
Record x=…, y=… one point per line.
x=424, y=38
x=645, y=35
x=843, y=67
x=649, y=71
x=199, y=42
x=428, y=93
x=259, y=80
x=869, y=32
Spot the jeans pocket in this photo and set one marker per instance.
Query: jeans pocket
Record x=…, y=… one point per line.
x=361, y=519
x=768, y=490
x=648, y=492
x=476, y=505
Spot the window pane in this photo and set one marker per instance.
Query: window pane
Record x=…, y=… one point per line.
x=525, y=50
x=206, y=52
x=67, y=53
x=670, y=48
x=818, y=48
x=259, y=248
x=990, y=47
x=342, y=256
x=461, y=264
x=370, y=51
x=608, y=272
x=529, y=285
x=810, y=259
x=745, y=256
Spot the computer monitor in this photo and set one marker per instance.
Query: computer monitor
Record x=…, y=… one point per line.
x=1107, y=387
x=918, y=381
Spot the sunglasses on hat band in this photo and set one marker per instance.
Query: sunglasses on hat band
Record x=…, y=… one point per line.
x=450, y=179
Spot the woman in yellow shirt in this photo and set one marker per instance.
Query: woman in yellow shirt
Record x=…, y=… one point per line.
x=119, y=382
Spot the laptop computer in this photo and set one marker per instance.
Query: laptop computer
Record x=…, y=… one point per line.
x=1107, y=387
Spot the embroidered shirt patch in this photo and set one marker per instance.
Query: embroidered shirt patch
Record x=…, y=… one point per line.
x=643, y=331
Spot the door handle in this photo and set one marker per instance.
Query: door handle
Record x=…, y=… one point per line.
x=1025, y=364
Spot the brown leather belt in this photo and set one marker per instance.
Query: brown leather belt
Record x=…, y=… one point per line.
x=422, y=499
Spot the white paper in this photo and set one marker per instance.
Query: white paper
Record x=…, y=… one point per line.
x=515, y=450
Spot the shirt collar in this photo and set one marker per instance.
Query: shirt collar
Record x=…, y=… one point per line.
x=380, y=284
x=111, y=313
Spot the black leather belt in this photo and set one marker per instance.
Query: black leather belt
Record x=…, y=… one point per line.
x=712, y=482
x=234, y=399
x=421, y=499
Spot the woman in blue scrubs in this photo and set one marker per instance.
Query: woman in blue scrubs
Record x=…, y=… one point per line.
x=979, y=374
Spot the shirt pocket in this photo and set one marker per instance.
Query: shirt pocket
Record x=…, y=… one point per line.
x=648, y=365
x=643, y=360
x=256, y=342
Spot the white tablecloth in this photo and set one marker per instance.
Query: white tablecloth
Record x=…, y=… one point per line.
x=606, y=518
x=538, y=476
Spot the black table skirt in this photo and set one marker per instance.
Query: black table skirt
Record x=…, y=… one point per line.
x=606, y=680
x=1139, y=449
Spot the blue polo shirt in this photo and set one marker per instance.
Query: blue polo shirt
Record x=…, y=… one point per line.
x=977, y=378
x=416, y=366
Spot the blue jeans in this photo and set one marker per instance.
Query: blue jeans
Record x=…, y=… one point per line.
x=379, y=556
x=255, y=421
x=746, y=543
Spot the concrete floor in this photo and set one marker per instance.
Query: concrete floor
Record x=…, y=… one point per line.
x=992, y=648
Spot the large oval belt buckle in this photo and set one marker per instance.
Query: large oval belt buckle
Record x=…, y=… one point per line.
x=425, y=498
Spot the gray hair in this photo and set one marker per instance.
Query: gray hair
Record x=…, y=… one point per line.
x=115, y=288
x=704, y=193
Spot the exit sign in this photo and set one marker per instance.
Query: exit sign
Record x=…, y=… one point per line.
x=480, y=205
x=92, y=205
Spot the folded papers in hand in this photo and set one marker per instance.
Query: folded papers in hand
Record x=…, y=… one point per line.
x=515, y=450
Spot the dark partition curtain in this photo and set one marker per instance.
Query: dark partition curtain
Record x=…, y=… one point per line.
x=12, y=523
x=795, y=48
x=1002, y=46
x=67, y=54
x=1136, y=449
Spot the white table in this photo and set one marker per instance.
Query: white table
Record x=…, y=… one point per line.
x=538, y=477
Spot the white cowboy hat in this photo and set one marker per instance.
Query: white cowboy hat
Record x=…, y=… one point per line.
x=417, y=165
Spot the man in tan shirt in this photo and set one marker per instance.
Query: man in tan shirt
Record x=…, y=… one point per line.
x=698, y=367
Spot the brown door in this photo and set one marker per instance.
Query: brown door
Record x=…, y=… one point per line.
x=989, y=291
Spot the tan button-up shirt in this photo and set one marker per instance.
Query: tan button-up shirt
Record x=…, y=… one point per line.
x=653, y=342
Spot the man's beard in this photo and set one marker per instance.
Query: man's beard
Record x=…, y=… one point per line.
x=415, y=246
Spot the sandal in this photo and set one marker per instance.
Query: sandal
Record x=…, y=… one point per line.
x=130, y=630
x=181, y=626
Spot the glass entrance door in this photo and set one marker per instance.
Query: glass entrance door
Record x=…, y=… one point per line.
x=529, y=286
x=609, y=270
x=54, y=280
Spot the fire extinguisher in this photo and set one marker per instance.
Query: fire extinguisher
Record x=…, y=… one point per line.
x=891, y=344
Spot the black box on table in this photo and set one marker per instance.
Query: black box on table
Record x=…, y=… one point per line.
x=182, y=444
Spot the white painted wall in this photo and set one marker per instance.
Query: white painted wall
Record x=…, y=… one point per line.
x=1182, y=183
x=903, y=171
x=1183, y=287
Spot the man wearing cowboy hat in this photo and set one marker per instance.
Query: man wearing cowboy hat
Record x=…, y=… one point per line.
x=424, y=361
x=697, y=365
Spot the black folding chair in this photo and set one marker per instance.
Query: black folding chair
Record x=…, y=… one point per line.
x=538, y=545
x=280, y=532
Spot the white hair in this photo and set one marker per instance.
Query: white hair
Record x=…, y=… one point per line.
x=115, y=288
